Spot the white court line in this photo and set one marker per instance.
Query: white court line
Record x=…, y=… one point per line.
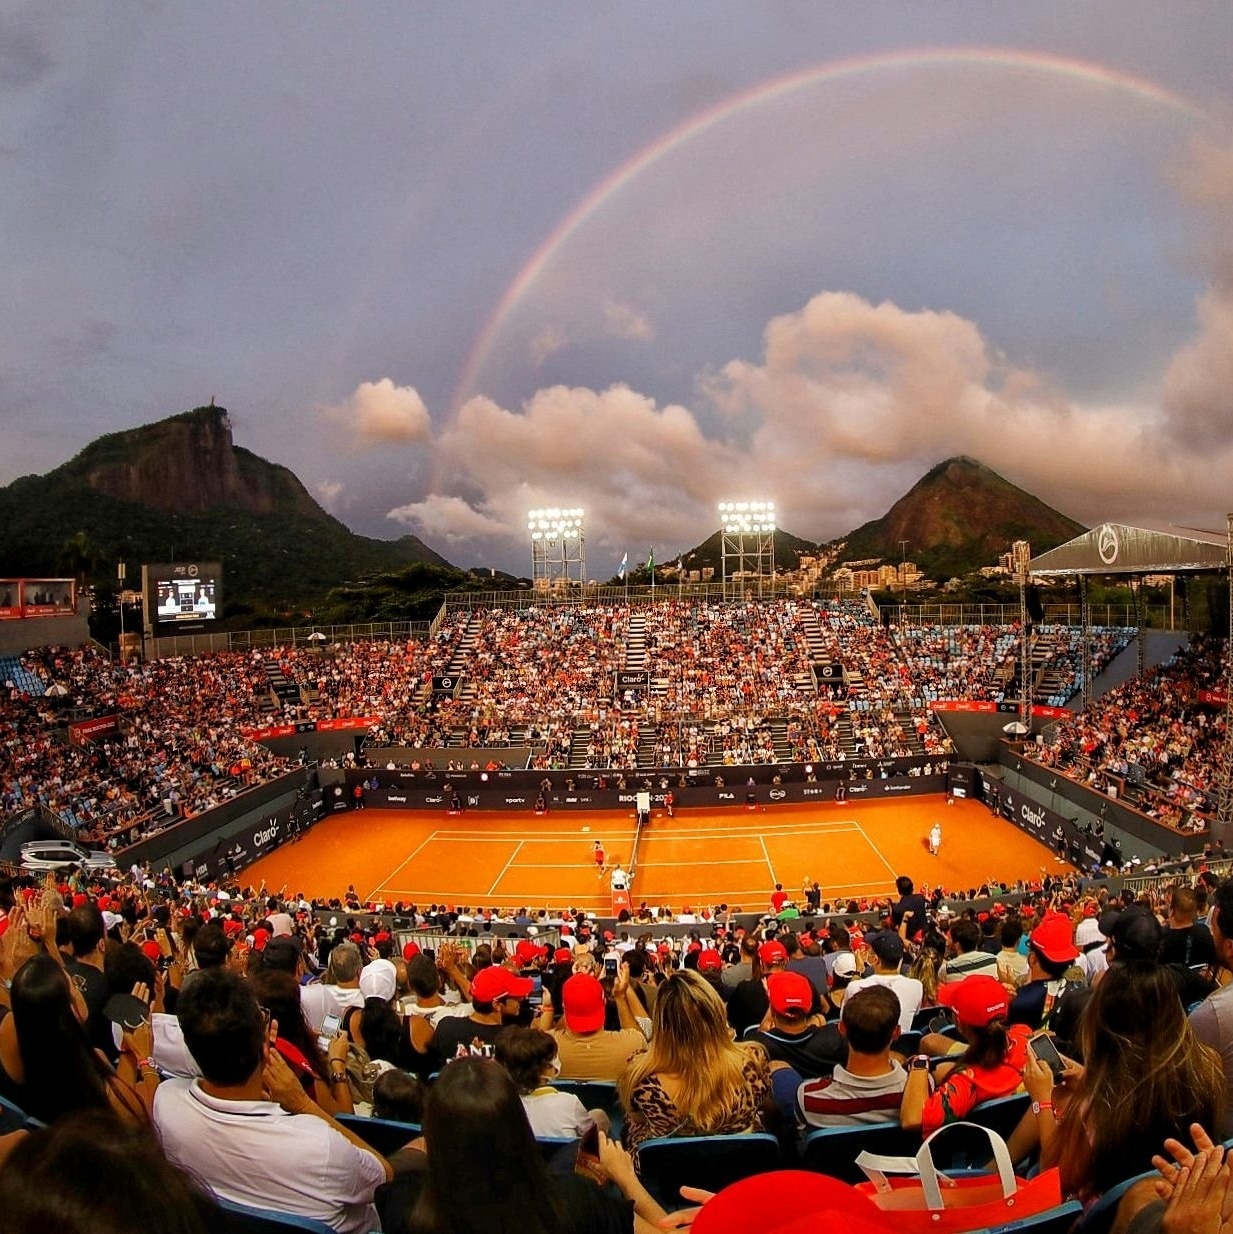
x=890, y=868
x=642, y=865
x=427, y=840
x=767, y=855
x=505, y=867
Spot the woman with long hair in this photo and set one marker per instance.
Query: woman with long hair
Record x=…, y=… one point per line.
x=486, y=1174
x=694, y=1079
x=47, y=1065
x=991, y=1066
x=1145, y=1078
x=322, y=1074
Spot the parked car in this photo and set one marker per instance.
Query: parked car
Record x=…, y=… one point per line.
x=56, y=854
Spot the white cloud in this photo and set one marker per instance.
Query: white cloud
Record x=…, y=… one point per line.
x=546, y=344
x=380, y=411
x=624, y=321
x=331, y=494
x=448, y=518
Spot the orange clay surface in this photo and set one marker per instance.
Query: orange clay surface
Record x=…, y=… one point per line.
x=702, y=856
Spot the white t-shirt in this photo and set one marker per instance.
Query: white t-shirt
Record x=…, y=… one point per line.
x=555, y=1116
x=320, y=1000
x=909, y=990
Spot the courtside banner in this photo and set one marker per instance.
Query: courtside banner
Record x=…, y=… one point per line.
x=341, y=724
x=1007, y=709
x=409, y=795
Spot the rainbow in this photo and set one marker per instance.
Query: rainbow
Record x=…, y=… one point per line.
x=1084, y=71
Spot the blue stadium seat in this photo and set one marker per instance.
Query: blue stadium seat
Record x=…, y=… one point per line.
x=383, y=1134
x=240, y=1219
x=1053, y=1221
x=667, y=1164
x=12, y=1117
x=1002, y=1114
x=1100, y=1217
x=834, y=1150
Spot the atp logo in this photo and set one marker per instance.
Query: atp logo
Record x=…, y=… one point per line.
x=1106, y=544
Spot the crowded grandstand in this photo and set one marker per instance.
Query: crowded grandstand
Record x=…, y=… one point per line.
x=340, y=1059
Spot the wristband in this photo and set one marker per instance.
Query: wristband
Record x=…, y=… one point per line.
x=1037, y=1106
x=146, y=1064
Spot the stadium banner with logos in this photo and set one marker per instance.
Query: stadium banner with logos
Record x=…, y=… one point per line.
x=257, y=836
x=340, y=725
x=1009, y=709
x=402, y=790
x=1061, y=834
x=633, y=681
x=445, y=683
x=90, y=730
x=1214, y=698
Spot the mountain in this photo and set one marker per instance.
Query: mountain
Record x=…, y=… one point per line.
x=958, y=517
x=181, y=489
x=788, y=552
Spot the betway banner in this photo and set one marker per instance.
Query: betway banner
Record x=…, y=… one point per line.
x=90, y=730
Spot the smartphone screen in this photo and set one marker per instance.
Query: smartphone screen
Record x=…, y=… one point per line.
x=536, y=997
x=1041, y=1044
x=588, y=1155
x=610, y=966
x=329, y=1030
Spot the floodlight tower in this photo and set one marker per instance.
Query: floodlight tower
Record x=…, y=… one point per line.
x=747, y=539
x=558, y=547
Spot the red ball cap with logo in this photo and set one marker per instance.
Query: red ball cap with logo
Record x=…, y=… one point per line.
x=977, y=1000
x=773, y=952
x=791, y=994
x=582, y=997
x=1055, y=938
x=494, y=983
x=710, y=962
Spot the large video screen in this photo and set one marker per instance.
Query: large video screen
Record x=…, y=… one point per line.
x=182, y=597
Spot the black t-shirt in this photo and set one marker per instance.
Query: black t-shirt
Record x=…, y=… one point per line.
x=811, y=1054
x=916, y=904
x=747, y=1005
x=1188, y=947
x=585, y=1207
x=455, y=1031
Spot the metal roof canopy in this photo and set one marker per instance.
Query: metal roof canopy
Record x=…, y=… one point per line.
x=1115, y=548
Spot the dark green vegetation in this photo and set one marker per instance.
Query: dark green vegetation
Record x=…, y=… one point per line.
x=181, y=490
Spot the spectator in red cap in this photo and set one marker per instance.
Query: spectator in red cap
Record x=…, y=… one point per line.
x=586, y=1049
x=694, y=1079
x=991, y=1066
x=794, y=1030
x=497, y=995
x=1051, y=951
x=747, y=1003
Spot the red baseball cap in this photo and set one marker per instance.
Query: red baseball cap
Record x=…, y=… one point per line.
x=410, y=951
x=710, y=962
x=976, y=1000
x=773, y=952
x=563, y=955
x=151, y=950
x=1055, y=938
x=791, y=1202
x=789, y=993
x=583, y=999
x=528, y=952
x=260, y=938
x=494, y=983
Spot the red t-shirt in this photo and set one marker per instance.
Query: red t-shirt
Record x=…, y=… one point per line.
x=778, y=900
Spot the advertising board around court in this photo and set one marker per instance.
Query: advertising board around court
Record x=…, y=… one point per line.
x=520, y=791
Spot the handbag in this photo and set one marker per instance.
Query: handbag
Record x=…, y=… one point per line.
x=930, y=1201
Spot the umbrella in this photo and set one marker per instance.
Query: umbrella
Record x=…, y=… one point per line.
x=316, y=637
x=1016, y=728
x=55, y=690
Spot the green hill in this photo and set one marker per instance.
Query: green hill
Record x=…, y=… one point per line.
x=181, y=489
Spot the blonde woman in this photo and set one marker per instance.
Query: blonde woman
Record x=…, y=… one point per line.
x=693, y=1079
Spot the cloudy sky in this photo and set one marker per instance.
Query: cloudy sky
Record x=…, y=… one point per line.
x=450, y=262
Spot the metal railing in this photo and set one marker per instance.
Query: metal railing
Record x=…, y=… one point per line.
x=1152, y=617
x=290, y=636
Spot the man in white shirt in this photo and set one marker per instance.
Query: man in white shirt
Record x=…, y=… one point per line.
x=886, y=951
x=339, y=990
x=246, y=1128
x=620, y=880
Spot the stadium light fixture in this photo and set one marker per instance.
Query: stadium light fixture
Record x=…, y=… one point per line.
x=558, y=539
x=747, y=540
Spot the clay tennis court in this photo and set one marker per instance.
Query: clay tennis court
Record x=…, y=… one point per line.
x=732, y=855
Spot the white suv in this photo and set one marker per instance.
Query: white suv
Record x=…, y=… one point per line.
x=55, y=854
